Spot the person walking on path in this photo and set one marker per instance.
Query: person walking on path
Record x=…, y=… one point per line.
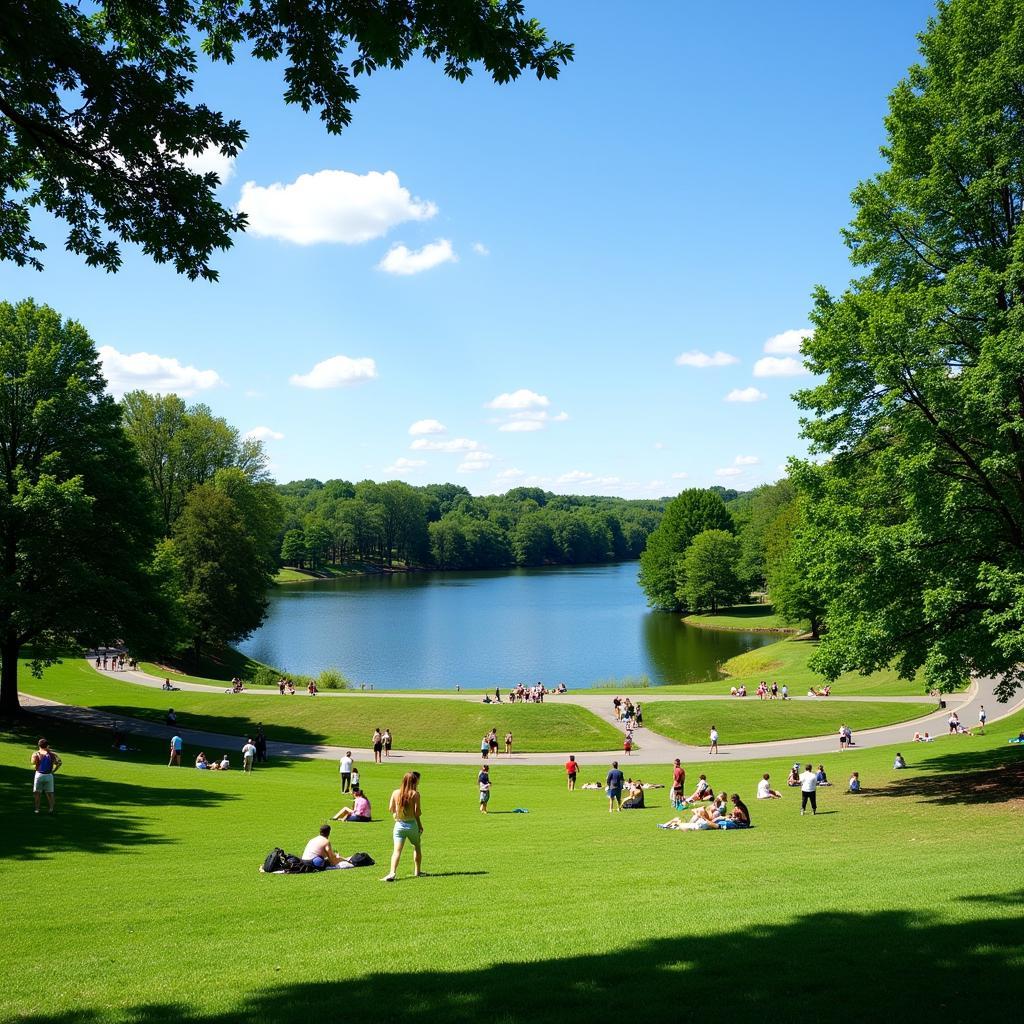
x=638, y=716
x=45, y=762
x=345, y=768
x=808, y=790
x=842, y=738
x=378, y=745
x=982, y=718
x=508, y=742
x=485, y=746
x=386, y=740
x=713, y=738
x=404, y=806
x=627, y=743
x=785, y=691
x=261, y=744
x=613, y=783
x=492, y=741
x=175, y=751
x=678, y=782
x=571, y=770
x=248, y=756
x=484, y=781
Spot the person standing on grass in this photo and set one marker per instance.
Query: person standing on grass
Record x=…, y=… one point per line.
x=175, y=751
x=571, y=770
x=785, y=691
x=261, y=743
x=613, y=783
x=713, y=738
x=982, y=718
x=405, y=807
x=386, y=740
x=484, y=781
x=808, y=790
x=678, y=782
x=378, y=745
x=345, y=768
x=248, y=756
x=492, y=741
x=45, y=762
x=508, y=742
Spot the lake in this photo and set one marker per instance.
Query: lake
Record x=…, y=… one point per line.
x=577, y=625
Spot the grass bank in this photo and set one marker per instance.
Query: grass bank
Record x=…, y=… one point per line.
x=757, y=617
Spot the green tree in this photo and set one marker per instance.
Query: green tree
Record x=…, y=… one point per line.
x=765, y=504
x=710, y=576
x=293, y=549
x=448, y=543
x=77, y=524
x=792, y=569
x=531, y=539
x=97, y=128
x=691, y=512
x=918, y=514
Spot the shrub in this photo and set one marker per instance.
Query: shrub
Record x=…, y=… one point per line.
x=332, y=679
x=265, y=676
x=625, y=683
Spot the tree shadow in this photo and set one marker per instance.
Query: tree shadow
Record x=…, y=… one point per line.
x=743, y=975
x=963, y=777
x=1001, y=899
x=93, y=815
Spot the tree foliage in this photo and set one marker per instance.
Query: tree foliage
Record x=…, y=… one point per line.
x=792, y=568
x=918, y=516
x=710, y=576
x=97, y=127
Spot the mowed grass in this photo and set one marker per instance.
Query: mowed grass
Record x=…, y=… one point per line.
x=745, y=616
x=749, y=720
x=140, y=901
x=415, y=723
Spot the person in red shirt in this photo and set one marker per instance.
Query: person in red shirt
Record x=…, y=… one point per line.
x=571, y=768
x=678, y=782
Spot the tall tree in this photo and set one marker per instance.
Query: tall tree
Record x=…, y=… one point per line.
x=96, y=127
x=765, y=504
x=710, y=578
x=792, y=568
x=77, y=524
x=691, y=512
x=919, y=513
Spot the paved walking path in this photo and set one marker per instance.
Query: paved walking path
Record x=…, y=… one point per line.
x=656, y=749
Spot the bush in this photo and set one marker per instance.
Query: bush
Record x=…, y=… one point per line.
x=625, y=683
x=265, y=676
x=332, y=679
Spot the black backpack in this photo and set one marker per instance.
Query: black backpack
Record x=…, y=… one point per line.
x=275, y=860
x=361, y=860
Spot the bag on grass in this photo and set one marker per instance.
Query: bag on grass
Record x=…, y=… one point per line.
x=361, y=860
x=297, y=866
x=275, y=861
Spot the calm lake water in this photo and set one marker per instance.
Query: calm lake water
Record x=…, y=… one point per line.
x=433, y=630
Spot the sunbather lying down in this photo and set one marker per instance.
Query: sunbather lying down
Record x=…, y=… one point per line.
x=340, y=866
x=592, y=785
x=715, y=816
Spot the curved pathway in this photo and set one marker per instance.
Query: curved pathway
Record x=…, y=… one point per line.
x=655, y=748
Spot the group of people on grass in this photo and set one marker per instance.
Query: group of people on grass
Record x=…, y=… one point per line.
x=253, y=750
x=768, y=692
x=522, y=694
x=489, y=744
x=629, y=714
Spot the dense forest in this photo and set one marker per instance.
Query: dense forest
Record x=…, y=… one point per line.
x=444, y=526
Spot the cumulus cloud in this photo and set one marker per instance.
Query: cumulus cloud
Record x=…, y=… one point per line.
x=402, y=260
x=336, y=372
x=264, y=434
x=474, y=462
x=574, y=476
x=779, y=366
x=421, y=427
x=403, y=465
x=331, y=206
x=680, y=476
x=560, y=418
x=787, y=343
x=702, y=360
x=480, y=249
x=211, y=159
x=521, y=399
x=510, y=474
x=520, y=426
x=750, y=394
x=455, y=444
x=728, y=471
x=129, y=371
x=747, y=460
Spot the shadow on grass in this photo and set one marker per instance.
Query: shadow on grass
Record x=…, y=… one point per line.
x=93, y=815
x=963, y=777
x=745, y=975
x=1002, y=899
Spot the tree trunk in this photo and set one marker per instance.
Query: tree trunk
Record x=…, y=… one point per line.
x=9, y=651
x=815, y=629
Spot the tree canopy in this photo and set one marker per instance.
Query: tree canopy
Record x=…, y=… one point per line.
x=918, y=513
x=97, y=126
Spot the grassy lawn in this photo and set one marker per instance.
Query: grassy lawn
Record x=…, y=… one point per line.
x=214, y=667
x=744, y=616
x=423, y=724
x=753, y=721
x=140, y=901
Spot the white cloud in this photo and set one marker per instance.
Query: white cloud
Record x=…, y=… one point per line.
x=560, y=418
x=510, y=474
x=253, y=393
x=521, y=399
x=747, y=460
x=750, y=394
x=130, y=371
x=211, y=159
x=702, y=360
x=402, y=260
x=480, y=249
x=574, y=476
x=728, y=471
x=403, y=465
x=456, y=444
x=264, y=434
x=779, y=366
x=522, y=425
x=331, y=206
x=336, y=372
x=659, y=445
x=680, y=476
x=787, y=343
x=427, y=427
x=474, y=462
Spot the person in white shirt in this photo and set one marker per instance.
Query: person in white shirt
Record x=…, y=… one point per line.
x=785, y=692
x=248, y=755
x=346, y=771
x=808, y=789
x=765, y=791
x=713, y=737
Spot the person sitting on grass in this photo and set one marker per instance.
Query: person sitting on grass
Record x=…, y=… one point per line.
x=225, y=764
x=289, y=687
x=822, y=777
x=703, y=790
x=765, y=791
x=311, y=688
x=794, y=776
x=635, y=800
x=855, y=782
x=359, y=811
x=201, y=761
x=319, y=852
x=899, y=762
x=738, y=817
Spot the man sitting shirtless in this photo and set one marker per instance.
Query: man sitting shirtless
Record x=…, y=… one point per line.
x=319, y=851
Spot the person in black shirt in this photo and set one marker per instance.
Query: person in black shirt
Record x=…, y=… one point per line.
x=613, y=784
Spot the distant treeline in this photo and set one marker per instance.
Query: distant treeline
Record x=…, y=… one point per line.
x=444, y=526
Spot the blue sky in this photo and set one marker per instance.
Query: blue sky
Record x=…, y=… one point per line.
x=523, y=265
